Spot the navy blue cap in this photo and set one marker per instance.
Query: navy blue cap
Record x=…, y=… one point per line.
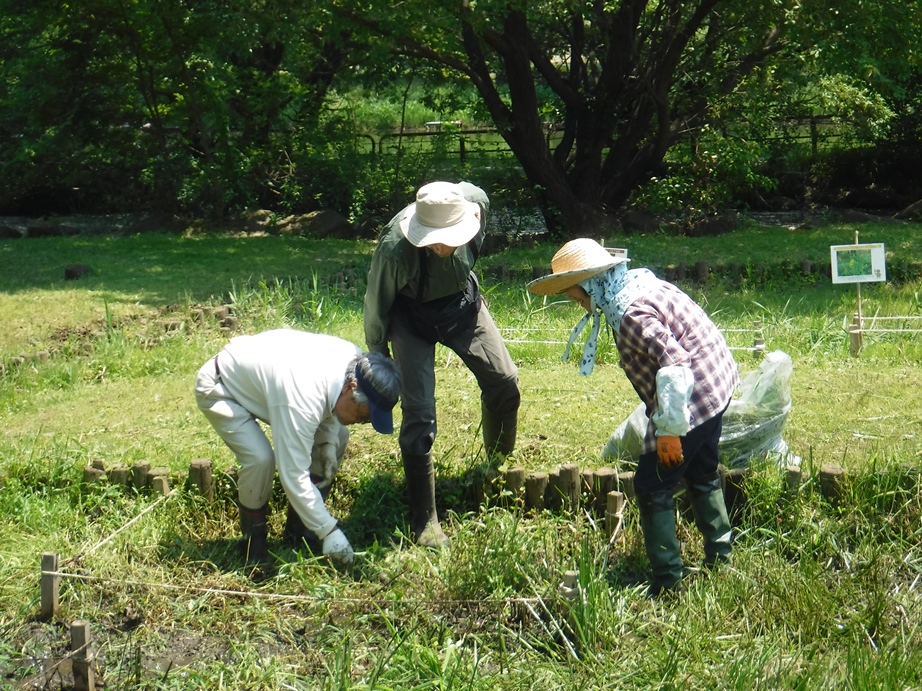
x=379, y=407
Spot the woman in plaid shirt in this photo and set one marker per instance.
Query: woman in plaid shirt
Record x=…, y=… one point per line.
x=679, y=364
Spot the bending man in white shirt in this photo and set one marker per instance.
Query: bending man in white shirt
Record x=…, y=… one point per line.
x=307, y=387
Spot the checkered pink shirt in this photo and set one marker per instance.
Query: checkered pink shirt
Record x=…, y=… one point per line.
x=666, y=327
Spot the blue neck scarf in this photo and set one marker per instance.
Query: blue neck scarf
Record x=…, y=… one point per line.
x=611, y=292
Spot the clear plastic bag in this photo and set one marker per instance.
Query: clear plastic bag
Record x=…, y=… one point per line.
x=752, y=425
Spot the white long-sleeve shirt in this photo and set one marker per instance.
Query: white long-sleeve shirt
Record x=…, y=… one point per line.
x=291, y=380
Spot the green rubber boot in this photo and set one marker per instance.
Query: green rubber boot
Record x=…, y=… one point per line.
x=424, y=521
x=710, y=510
x=657, y=520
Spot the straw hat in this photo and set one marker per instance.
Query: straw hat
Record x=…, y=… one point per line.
x=441, y=215
x=574, y=262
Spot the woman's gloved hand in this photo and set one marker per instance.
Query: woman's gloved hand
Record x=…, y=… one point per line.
x=669, y=451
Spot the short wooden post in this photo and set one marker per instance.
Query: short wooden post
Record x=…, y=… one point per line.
x=160, y=485
x=84, y=677
x=92, y=475
x=140, y=471
x=50, y=585
x=201, y=476
x=606, y=479
x=120, y=475
x=832, y=483
x=569, y=591
x=490, y=485
x=793, y=477
x=552, y=500
x=614, y=511
x=626, y=483
x=735, y=492
x=587, y=486
x=157, y=471
x=570, y=486
x=854, y=336
x=514, y=480
x=535, y=490
x=702, y=271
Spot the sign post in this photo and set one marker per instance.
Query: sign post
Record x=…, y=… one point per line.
x=858, y=264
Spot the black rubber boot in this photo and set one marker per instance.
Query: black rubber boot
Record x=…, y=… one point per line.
x=657, y=520
x=710, y=510
x=499, y=434
x=424, y=521
x=255, y=530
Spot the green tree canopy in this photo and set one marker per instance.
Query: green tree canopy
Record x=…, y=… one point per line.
x=591, y=96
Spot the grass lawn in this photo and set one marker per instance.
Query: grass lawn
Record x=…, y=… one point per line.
x=820, y=595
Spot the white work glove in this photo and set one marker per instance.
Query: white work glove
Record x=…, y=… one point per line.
x=674, y=385
x=337, y=548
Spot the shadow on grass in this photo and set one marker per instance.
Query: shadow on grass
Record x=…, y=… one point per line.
x=378, y=514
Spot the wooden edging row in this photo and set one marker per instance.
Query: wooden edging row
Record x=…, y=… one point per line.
x=605, y=490
x=566, y=488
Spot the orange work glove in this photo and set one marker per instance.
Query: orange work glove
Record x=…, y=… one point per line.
x=669, y=450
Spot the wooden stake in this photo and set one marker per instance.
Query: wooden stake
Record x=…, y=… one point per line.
x=614, y=510
x=793, y=477
x=626, y=483
x=535, y=490
x=201, y=476
x=735, y=493
x=92, y=475
x=570, y=486
x=139, y=473
x=854, y=336
x=832, y=483
x=120, y=475
x=514, y=480
x=552, y=500
x=50, y=584
x=160, y=485
x=605, y=481
x=84, y=678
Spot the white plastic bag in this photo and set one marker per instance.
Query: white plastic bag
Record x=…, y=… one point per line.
x=752, y=425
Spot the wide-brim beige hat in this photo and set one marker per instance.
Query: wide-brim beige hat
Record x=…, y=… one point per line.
x=440, y=216
x=574, y=262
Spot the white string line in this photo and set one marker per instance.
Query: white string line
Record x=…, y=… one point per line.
x=124, y=527
x=873, y=319
x=890, y=331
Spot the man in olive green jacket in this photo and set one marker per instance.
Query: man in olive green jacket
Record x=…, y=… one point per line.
x=422, y=291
